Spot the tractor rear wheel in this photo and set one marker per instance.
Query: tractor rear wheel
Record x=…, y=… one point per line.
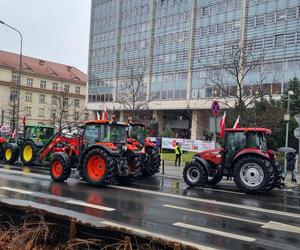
x=277, y=180
x=60, y=169
x=194, y=174
x=11, y=153
x=253, y=174
x=154, y=165
x=28, y=152
x=98, y=167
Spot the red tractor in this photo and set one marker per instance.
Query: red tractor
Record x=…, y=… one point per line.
x=150, y=156
x=245, y=157
x=100, y=154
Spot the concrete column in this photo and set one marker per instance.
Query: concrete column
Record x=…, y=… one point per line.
x=118, y=31
x=121, y=116
x=199, y=124
x=159, y=117
x=190, y=52
x=150, y=45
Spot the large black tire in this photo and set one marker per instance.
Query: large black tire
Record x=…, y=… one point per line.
x=11, y=153
x=278, y=178
x=136, y=164
x=29, y=152
x=194, y=174
x=253, y=174
x=215, y=179
x=98, y=167
x=154, y=165
x=60, y=169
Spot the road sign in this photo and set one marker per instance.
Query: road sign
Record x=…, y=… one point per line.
x=297, y=133
x=215, y=108
x=297, y=118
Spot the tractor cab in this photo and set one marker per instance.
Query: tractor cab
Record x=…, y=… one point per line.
x=137, y=131
x=38, y=133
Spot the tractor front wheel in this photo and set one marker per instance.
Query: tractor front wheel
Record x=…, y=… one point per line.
x=98, y=167
x=11, y=153
x=28, y=152
x=215, y=179
x=154, y=165
x=194, y=174
x=253, y=174
x=134, y=170
x=60, y=169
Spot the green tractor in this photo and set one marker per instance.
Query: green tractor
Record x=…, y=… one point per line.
x=27, y=147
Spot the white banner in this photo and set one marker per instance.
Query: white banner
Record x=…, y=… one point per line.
x=186, y=144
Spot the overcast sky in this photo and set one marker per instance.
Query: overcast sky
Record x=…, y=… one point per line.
x=54, y=30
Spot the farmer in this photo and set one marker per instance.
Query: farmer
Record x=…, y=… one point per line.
x=291, y=165
x=178, y=154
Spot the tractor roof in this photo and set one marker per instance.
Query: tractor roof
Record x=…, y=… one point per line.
x=105, y=122
x=38, y=126
x=261, y=130
x=137, y=124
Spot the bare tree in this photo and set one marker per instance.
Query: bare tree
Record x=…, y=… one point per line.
x=132, y=91
x=229, y=76
x=65, y=112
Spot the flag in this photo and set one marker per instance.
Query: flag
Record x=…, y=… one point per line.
x=222, y=125
x=24, y=120
x=14, y=135
x=237, y=123
x=98, y=116
x=105, y=113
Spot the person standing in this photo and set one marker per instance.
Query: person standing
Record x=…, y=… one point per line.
x=291, y=165
x=178, y=154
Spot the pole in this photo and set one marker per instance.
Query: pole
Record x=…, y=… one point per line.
x=19, y=82
x=287, y=131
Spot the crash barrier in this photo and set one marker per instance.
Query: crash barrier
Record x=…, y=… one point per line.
x=37, y=227
x=186, y=144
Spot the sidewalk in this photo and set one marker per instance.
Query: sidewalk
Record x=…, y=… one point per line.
x=176, y=172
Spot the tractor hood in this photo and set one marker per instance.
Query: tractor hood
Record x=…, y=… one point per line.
x=205, y=153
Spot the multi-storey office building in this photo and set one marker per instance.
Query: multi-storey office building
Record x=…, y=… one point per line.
x=177, y=39
x=40, y=82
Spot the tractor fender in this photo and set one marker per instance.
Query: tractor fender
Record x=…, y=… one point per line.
x=249, y=151
x=38, y=144
x=64, y=156
x=203, y=162
x=14, y=145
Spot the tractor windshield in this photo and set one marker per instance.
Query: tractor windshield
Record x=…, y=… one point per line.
x=137, y=132
x=105, y=133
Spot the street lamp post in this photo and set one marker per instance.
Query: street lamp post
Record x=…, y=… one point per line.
x=287, y=119
x=20, y=74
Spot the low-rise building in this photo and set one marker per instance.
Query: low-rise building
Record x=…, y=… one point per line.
x=43, y=85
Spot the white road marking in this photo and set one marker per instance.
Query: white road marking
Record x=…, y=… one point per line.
x=281, y=227
x=84, y=204
x=227, y=204
x=214, y=214
x=16, y=190
x=155, y=235
x=220, y=190
x=58, y=198
x=216, y=232
x=11, y=171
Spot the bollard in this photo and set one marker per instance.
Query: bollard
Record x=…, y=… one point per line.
x=163, y=167
x=127, y=243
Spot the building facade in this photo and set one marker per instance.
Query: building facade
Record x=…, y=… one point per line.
x=177, y=40
x=41, y=86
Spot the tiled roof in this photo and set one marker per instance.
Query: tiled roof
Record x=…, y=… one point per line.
x=42, y=67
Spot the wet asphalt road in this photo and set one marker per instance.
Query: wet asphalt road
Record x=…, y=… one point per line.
x=212, y=217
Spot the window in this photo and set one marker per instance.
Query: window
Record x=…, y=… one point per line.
x=54, y=100
x=76, y=103
x=65, y=101
x=42, y=98
x=76, y=115
x=43, y=84
x=28, y=111
x=205, y=11
x=28, y=97
x=41, y=112
x=29, y=82
x=55, y=86
x=67, y=88
x=77, y=90
x=279, y=40
x=15, y=79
